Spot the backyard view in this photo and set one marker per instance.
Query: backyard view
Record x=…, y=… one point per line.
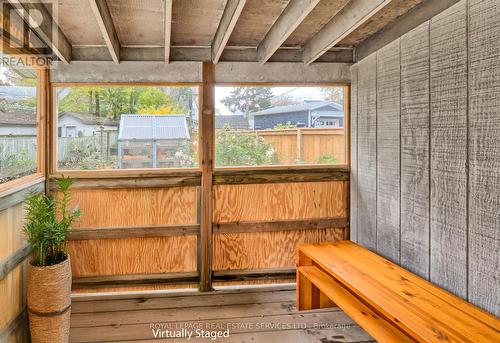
x=157, y=127
x=127, y=127
x=258, y=126
x=18, y=124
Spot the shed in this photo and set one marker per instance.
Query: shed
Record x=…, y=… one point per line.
x=149, y=140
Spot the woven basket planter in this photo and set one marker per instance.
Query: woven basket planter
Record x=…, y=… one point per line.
x=49, y=302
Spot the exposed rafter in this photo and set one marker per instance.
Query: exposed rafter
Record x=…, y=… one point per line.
x=168, y=28
x=47, y=30
x=349, y=19
x=288, y=21
x=228, y=21
x=105, y=22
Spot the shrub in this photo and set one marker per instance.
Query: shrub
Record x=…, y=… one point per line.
x=48, y=223
x=326, y=159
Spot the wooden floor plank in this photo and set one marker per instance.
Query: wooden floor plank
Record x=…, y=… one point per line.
x=348, y=335
x=291, y=321
x=170, y=302
x=182, y=314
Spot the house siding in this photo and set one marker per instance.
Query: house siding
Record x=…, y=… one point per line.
x=269, y=121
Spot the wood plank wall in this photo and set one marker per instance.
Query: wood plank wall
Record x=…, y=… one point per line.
x=13, y=274
x=437, y=147
x=134, y=207
x=274, y=202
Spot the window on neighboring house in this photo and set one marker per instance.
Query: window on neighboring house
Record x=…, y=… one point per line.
x=263, y=126
x=127, y=127
x=18, y=122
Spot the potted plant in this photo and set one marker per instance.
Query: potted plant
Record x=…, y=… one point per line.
x=48, y=223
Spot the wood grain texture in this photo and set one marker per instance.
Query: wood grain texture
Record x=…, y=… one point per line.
x=133, y=256
x=484, y=153
x=238, y=177
x=448, y=197
x=353, y=209
x=142, y=206
x=265, y=250
x=11, y=230
x=13, y=293
x=280, y=201
x=415, y=150
x=367, y=152
x=388, y=151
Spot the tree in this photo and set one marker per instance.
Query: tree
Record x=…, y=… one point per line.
x=248, y=99
x=335, y=94
x=111, y=102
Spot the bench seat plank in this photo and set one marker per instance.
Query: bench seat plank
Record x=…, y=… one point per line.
x=422, y=310
x=378, y=327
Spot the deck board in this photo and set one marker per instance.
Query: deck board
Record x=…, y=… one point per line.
x=253, y=315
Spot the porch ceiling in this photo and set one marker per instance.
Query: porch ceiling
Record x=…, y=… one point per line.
x=226, y=30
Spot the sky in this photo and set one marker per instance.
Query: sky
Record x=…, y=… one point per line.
x=301, y=93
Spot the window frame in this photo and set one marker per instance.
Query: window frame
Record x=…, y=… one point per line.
x=55, y=172
x=281, y=167
x=20, y=183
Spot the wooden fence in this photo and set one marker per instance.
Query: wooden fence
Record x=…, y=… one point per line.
x=17, y=155
x=306, y=145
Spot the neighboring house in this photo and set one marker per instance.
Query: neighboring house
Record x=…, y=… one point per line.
x=153, y=140
x=235, y=122
x=17, y=124
x=307, y=114
x=73, y=124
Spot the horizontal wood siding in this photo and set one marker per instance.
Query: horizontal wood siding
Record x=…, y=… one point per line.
x=450, y=150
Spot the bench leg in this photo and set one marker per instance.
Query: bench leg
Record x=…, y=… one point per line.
x=309, y=297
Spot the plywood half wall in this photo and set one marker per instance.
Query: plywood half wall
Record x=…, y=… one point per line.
x=147, y=237
x=426, y=151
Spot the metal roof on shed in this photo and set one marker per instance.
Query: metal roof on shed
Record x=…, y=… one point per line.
x=153, y=127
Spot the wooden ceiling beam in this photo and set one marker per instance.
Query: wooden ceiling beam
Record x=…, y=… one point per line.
x=227, y=23
x=46, y=27
x=352, y=16
x=105, y=23
x=294, y=13
x=168, y=28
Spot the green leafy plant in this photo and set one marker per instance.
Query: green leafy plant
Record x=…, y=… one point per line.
x=326, y=159
x=48, y=223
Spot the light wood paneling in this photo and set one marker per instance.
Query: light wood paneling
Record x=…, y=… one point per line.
x=367, y=152
x=129, y=207
x=13, y=293
x=280, y=201
x=133, y=256
x=388, y=150
x=448, y=198
x=11, y=230
x=265, y=250
x=484, y=153
x=415, y=150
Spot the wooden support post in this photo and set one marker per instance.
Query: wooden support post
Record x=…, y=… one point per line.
x=299, y=145
x=207, y=161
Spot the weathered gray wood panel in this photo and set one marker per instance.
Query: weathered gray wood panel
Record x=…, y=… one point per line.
x=353, y=224
x=367, y=152
x=388, y=151
x=415, y=150
x=449, y=149
x=484, y=154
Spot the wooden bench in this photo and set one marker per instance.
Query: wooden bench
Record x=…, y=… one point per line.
x=389, y=302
